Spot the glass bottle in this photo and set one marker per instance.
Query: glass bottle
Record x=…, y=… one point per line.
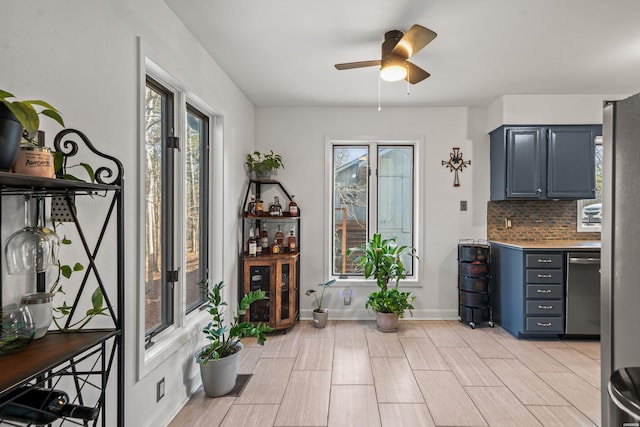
x=276, y=248
x=251, y=244
x=264, y=240
x=291, y=242
x=259, y=206
x=258, y=242
x=276, y=208
x=279, y=237
x=40, y=406
x=251, y=208
x=293, y=207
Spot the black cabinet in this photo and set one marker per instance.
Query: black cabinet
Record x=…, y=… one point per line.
x=543, y=162
x=88, y=364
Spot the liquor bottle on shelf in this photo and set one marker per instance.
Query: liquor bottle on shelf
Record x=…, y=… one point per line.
x=291, y=242
x=293, y=207
x=251, y=208
x=259, y=206
x=252, y=244
x=264, y=240
x=40, y=406
x=276, y=208
x=279, y=237
x=258, y=242
x=276, y=248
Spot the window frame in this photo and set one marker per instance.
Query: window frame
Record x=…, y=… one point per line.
x=373, y=143
x=581, y=204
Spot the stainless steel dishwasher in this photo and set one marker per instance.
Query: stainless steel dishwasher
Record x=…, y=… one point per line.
x=583, y=294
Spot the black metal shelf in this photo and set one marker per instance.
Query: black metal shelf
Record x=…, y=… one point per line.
x=87, y=356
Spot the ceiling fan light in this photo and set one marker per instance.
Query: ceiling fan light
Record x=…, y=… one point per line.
x=393, y=73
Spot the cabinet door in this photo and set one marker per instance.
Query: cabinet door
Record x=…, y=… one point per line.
x=525, y=163
x=259, y=276
x=571, y=166
x=285, y=313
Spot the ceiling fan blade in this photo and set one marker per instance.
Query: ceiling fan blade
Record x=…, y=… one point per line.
x=413, y=40
x=361, y=64
x=415, y=74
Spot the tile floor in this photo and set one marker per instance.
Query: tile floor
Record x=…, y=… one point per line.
x=430, y=373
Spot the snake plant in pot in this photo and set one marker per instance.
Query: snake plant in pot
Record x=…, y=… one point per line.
x=219, y=359
x=382, y=259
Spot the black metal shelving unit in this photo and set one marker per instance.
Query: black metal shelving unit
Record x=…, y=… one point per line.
x=92, y=358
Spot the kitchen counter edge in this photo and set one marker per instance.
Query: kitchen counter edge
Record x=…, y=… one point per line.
x=573, y=245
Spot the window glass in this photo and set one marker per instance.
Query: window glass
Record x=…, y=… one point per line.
x=158, y=123
x=367, y=191
x=196, y=209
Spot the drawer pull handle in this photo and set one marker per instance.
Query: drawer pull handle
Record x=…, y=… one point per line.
x=544, y=291
x=545, y=325
x=544, y=260
x=545, y=307
x=544, y=276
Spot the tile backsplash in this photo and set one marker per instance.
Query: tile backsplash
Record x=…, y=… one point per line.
x=535, y=220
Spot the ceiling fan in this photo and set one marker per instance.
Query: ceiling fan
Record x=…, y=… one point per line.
x=397, y=48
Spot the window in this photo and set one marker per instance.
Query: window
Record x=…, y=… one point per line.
x=196, y=207
x=590, y=211
x=176, y=193
x=372, y=192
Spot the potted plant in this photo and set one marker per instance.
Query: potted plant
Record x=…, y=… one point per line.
x=320, y=314
x=263, y=164
x=381, y=259
x=20, y=119
x=218, y=360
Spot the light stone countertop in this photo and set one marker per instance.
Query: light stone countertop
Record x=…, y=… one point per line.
x=574, y=245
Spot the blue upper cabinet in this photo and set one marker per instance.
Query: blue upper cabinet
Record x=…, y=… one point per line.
x=543, y=162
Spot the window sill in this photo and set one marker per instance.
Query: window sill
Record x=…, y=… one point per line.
x=169, y=341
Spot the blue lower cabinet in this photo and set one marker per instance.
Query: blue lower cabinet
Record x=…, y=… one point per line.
x=529, y=288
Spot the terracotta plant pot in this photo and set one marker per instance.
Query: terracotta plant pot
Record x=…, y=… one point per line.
x=320, y=318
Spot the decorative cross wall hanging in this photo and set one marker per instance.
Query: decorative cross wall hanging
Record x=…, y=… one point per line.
x=456, y=164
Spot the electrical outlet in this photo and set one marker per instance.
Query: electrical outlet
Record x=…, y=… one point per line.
x=160, y=390
x=463, y=205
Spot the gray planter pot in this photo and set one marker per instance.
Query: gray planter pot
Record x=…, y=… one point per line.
x=320, y=318
x=386, y=322
x=219, y=376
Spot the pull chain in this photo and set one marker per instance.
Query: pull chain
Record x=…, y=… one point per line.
x=379, y=103
x=408, y=87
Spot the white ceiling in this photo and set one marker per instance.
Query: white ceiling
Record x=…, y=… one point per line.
x=282, y=52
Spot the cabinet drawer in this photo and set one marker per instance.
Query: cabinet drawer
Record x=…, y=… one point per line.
x=544, y=261
x=544, y=276
x=544, y=307
x=545, y=291
x=545, y=324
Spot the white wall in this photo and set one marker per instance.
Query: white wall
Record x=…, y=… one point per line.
x=547, y=110
x=82, y=57
x=299, y=135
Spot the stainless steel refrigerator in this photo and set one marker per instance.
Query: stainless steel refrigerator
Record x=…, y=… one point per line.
x=620, y=274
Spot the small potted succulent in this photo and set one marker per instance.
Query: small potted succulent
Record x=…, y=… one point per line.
x=219, y=359
x=19, y=119
x=320, y=314
x=381, y=259
x=263, y=164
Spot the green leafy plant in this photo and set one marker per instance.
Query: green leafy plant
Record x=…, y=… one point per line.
x=26, y=113
x=381, y=259
x=262, y=163
x=313, y=292
x=60, y=313
x=223, y=339
x=60, y=167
